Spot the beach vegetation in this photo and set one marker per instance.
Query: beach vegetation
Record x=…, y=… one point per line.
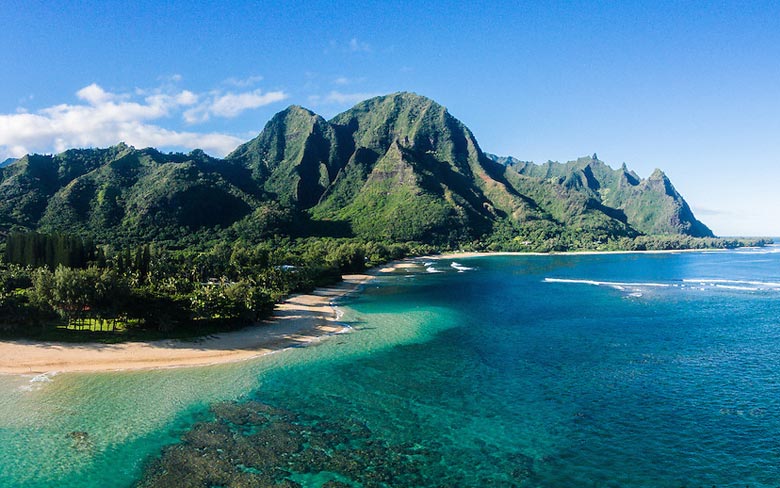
x=150, y=292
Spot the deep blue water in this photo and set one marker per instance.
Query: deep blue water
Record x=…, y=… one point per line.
x=622, y=370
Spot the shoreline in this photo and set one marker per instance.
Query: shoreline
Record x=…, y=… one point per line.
x=479, y=254
x=300, y=319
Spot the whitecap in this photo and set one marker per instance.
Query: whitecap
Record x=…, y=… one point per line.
x=739, y=288
x=620, y=285
x=37, y=382
x=719, y=281
x=770, y=249
x=44, y=377
x=460, y=267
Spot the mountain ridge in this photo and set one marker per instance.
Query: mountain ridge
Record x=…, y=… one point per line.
x=398, y=167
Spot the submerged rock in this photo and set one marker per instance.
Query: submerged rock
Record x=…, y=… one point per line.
x=256, y=445
x=81, y=439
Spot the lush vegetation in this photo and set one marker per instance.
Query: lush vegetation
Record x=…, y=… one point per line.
x=152, y=292
x=36, y=250
x=121, y=242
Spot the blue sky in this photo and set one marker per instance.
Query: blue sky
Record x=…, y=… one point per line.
x=690, y=87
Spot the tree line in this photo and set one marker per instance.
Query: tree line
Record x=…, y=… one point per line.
x=51, y=250
x=55, y=281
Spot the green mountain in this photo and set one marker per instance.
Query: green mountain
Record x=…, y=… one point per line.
x=7, y=162
x=650, y=206
x=124, y=192
x=397, y=168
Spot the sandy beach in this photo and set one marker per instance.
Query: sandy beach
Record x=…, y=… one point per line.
x=298, y=320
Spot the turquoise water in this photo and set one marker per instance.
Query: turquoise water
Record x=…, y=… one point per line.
x=590, y=370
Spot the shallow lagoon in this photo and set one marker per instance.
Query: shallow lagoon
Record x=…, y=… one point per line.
x=598, y=370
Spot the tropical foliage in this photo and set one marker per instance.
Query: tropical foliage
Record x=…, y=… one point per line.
x=135, y=292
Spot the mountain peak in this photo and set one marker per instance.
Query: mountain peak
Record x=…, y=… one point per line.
x=403, y=96
x=296, y=109
x=397, y=102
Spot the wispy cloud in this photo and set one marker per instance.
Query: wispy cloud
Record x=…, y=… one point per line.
x=343, y=80
x=174, y=78
x=229, y=105
x=103, y=118
x=709, y=211
x=356, y=45
x=340, y=98
x=243, y=82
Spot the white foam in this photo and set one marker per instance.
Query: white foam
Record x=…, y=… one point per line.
x=44, y=378
x=460, y=267
x=701, y=284
x=772, y=249
x=620, y=285
x=431, y=269
x=339, y=312
x=719, y=281
x=37, y=382
x=740, y=288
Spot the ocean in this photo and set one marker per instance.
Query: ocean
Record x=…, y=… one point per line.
x=624, y=370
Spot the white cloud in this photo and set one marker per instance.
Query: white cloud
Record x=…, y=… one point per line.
x=196, y=115
x=187, y=98
x=94, y=94
x=232, y=104
x=104, y=118
x=229, y=105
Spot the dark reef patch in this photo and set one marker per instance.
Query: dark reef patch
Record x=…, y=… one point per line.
x=252, y=444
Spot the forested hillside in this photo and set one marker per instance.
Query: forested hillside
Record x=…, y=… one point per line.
x=397, y=168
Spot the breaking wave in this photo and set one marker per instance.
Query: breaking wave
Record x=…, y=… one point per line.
x=460, y=267
x=620, y=285
x=686, y=283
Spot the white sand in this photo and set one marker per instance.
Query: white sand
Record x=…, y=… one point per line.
x=298, y=320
